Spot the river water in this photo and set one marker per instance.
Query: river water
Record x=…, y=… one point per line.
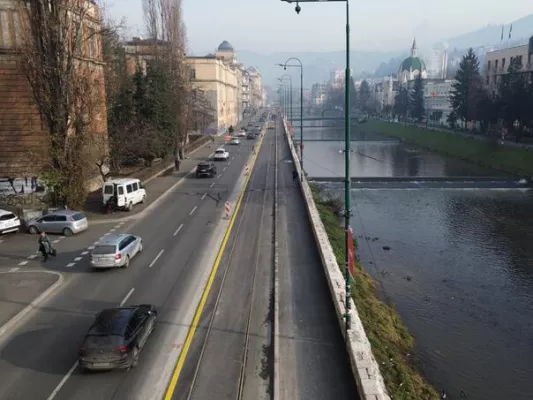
x=460, y=265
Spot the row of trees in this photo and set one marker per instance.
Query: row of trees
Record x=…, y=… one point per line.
x=409, y=102
x=149, y=113
x=359, y=99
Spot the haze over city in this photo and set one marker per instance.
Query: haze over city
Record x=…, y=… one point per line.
x=268, y=26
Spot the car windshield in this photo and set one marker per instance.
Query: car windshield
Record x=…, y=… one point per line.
x=220, y=151
x=104, y=249
x=203, y=165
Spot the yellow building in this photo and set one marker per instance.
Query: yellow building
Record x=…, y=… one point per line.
x=218, y=76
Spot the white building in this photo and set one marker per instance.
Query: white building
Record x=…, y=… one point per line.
x=437, y=65
x=437, y=99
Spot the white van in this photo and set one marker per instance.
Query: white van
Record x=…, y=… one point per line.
x=128, y=191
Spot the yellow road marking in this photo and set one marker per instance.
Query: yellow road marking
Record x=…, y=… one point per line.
x=196, y=320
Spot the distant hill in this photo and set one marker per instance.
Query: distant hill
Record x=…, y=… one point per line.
x=491, y=34
x=318, y=66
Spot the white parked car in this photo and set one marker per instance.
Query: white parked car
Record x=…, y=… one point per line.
x=221, y=155
x=126, y=191
x=9, y=222
x=234, y=141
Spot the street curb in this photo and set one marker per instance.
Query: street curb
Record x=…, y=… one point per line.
x=22, y=313
x=275, y=334
x=365, y=368
x=163, y=196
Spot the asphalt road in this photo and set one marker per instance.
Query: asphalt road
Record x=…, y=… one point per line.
x=38, y=358
x=313, y=361
x=230, y=356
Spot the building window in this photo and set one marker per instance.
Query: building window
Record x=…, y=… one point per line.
x=488, y=80
x=192, y=74
x=488, y=65
x=503, y=63
x=496, y=64
x=519, y=59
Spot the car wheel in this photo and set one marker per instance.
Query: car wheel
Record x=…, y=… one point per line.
x=135, y=357
x=130, y=206
x=127, y=262
x=67, y=232
x=33, y=229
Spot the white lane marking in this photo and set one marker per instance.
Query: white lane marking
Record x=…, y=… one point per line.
x=225, y=168
x=212, y=184
x=125, y=299
x=32, y=256
x=70, y=265
x=23, y=262
x=193, y=210
x=14, y=269
x=63, y=381
x=156, y=258
x=90, y=248
x=113, y=230
x=178, y=230
x=78, y=259
x=84, y=253
x=108, y=233
x=97, y=242
x=55, y=241
x=203, y=197
x=229, y=162
x=73, y=368
x=218, y=176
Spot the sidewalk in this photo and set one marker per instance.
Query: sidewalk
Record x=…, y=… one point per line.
x=155, y=186
x=19, y=289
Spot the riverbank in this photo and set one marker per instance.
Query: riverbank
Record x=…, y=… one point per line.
x=391, y=342
x=516, y=161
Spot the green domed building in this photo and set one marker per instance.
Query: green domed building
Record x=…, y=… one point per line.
x=412, y=66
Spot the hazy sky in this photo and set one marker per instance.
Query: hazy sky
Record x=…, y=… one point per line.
x=268, y=26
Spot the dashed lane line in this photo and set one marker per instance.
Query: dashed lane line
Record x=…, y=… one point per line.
x=14, y=269
x=178, y=230
x=33, y=256
x=84, y=253
x=23, y=263
x=203, y=197
x=156, y=258
x=193, y=210
x=70, y=265
x=212, y=184
x=78, y=259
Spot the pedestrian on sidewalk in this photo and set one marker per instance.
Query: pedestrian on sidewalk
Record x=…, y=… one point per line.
x=177, y=162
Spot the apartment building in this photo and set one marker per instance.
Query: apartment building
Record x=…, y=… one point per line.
x=23, y=134
x=498, y=62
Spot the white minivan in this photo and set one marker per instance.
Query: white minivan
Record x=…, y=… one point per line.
x=127, y=191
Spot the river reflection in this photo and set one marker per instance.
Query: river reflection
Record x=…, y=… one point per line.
x=459, y=272
x=460, y=267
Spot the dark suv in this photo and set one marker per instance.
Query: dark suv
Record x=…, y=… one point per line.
x=116, y=337
x=206, y=169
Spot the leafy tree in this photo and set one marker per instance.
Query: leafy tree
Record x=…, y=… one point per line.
x=417, y=107
x=354, y=98
x=401, y=103
x=364, y=96
x=452, y=120
x=466, y=91
x=514, y=97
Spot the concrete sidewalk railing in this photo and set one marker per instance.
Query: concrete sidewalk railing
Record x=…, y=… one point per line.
x=364, y=366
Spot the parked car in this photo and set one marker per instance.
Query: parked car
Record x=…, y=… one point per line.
x=9, y=222
x=116, y=250
x=234, y=141
x=116, y=337
x=206, y=169
x=221, y=155
x=66, y=222
x=126, y=191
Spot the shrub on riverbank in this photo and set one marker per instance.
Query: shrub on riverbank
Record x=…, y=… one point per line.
x=508, y=159
x=390, y=340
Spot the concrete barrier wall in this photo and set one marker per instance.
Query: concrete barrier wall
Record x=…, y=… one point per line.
x=364, y=366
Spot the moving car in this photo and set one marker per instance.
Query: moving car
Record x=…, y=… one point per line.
x=66, y=222
x=234, y=141
x=206, y=169
x=116, y=337
x=221, y=155
x=9, y=222
x=250, y=135
x=116, y=250
x=242, y=133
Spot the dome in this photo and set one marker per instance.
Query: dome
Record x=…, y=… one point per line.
x=225, y=46
x=412, y=64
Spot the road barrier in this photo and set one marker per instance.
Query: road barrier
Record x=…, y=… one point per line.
x=227, y=207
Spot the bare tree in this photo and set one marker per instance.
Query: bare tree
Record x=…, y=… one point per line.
x=59, y=56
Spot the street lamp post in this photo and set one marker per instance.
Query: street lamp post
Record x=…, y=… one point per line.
x=290, y=92
x=301, y=109
x=347, y=143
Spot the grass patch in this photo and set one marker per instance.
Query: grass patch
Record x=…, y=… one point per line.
x=512, y=160
x=390, y=340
